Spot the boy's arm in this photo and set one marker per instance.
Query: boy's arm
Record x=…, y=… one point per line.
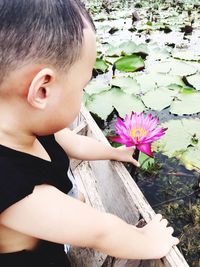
x=51, y=215
x=86, y=148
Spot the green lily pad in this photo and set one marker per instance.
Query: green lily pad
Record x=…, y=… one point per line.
x=174, y=68
x=186, y=55
x=104, y=103
x=96, y=86
x=125, y=103
x=127, y=84
x=182, y=88
x=126, y=48
x=178, y=137
x=191, y=158
x=151, y=81
x=179, y=142
x=194, y=80
x=101, y=65
x=158, y=99
x=186, y=104
x=100, y=104
x=130, y=63
x=113, y=51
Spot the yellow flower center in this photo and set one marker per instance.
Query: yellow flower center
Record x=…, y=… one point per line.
x=138, y=133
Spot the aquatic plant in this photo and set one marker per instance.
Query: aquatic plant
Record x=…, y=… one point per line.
x=138, y=130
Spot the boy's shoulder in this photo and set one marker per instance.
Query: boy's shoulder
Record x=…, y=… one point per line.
x=21, y=172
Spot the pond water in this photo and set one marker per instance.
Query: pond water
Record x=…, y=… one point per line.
x=170, y=187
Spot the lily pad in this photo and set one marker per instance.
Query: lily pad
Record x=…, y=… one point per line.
x=158, y=99
x=186, y=104
x=130, y=63
x=153, y=80
x=191, y=158
x=127, y=84
x=100, y=104
x=179, y=142
x=104, y=103
x=96, y=86
x=186, y=55
x=174, y=68
x=125, y=103
x=194, y=80
x=101, y=65
x=178, y=136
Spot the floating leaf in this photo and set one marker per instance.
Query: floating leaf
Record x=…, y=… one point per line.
x=182, y=88
x=191, y=158
x=126, y=48
x=186, y=104
x=194, y=80
x=127, y=84
x=103, y=103
x=130, y=63
x=100, y=104
x=178, y=141
x=153, y=80
x=125, y=103
x=96, y=86
x=101, y=65
x=186, y=55
x=158, y=99
x=174, y=68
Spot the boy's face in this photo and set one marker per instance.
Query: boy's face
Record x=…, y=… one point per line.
x=70, y=85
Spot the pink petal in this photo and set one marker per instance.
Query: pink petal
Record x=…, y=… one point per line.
x=146, y=149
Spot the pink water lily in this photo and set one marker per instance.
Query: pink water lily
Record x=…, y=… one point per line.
x=138, y=130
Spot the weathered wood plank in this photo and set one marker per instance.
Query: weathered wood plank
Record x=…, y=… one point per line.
x=109, y=187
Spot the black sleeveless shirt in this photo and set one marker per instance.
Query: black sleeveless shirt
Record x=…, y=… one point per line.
x=19, y=174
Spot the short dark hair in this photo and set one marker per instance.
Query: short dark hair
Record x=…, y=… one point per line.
x=41, y=31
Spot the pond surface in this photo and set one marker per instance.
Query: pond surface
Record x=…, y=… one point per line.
x=170, y=184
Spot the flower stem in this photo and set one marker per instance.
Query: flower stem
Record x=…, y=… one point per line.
x=136, y=157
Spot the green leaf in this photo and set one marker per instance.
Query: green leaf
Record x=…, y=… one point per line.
x=176, y=139
x=186, y=104
x=153, y=80
x=191, y=158
x=194, y=80
x=96, y=86
x=101, y=65
x=103, y=103
x=145, y=161
x=125, y=103
x=186, y=55
x=100, y=104
x=178, y=142
x=127, y=84
x=158, y=99
x=130, y=63
x=126, y=48
x=173, y=67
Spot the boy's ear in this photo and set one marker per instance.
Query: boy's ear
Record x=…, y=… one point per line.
x=38, y=91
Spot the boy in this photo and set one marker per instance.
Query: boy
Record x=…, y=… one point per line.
x=47, y=53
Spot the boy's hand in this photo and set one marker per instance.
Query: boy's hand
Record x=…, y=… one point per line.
x=159, y=237
x=126, y=154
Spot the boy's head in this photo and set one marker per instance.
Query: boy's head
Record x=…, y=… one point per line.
x=40, y=31
x=47, y=53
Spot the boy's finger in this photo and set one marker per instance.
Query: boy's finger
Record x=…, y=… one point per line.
x=175, y=241
x=158, y=217
x=135, y=162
